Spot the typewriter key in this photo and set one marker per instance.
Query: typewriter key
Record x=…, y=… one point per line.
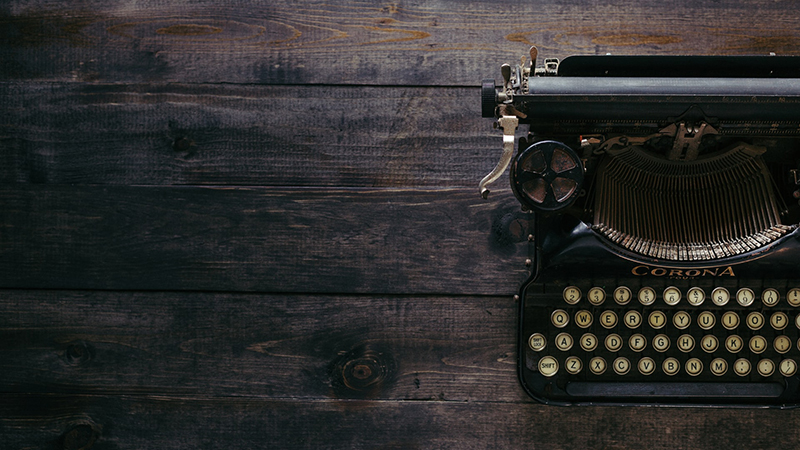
x=637, y=342
x=788, y=367
x=548, y=366
x=646, y=366
x=695, y=296
x=560, y=318
x=672, y=295
x=686, y=343
x=597, y=365
x=573, y=365
x=782, y=344
x=709, y=343
x=730, y=320
x=755, y=321
x=632, y=319
x=779, y=320
x=797, y=321
x=694, y=367
x=720, y=296
x=681, y=320
x=596, y=296
x=657, y=319
x=734, y=343
x=621, y=365
x=571, y=295
x=661, y=342
x=588, y=342
x=622, y=295
x=766, y=367
x=742, y=367
x=537, y=342
x=613, y=342
x=583, y=318
x=770, y=297
x=608, y=319
x=671, y=366
x=758, y=344
x=647, y=296
x=564, y=341
x=745, y=296
x=718, y=366
x=706, y=320
x=793, y=297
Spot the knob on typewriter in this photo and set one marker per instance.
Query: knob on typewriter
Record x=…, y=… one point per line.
x=547, y=176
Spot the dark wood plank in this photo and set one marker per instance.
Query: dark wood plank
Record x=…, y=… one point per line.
x=175, y=422
x=77, y=133
x=443, y=241
x=378, y=43
x=271, y=346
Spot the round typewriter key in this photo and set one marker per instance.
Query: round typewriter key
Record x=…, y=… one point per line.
x=734, y=343
x=632, y=319
x=672, y=295
x=637, y=342
x=621, y=365
x=694, y=367
x=758, y=344
x=564, y=341
x=647, y=296
x=695, y=296
x=718, y=366
x=622, y=295
x=745, y=296
x=613, y=342
x=560, y=318
x=730, y=320
x=671, y=366
x=681, y=320
x=797, y=321
x=788, y=367
x=686, y=343
x=779, y=320
x=548, y=366
x=596, y=296
x=782, y=344
x=720, y=296
x=706, y=320
x=709, y=343
x=755, y=321
x=657, y=319
x=588, y=342
x=537, y=342
x=770, y=297
x=742, y=367
x=646, y=366
x=597, y=365
x=766, y=367
x=608, y=319
x=571, y=295
x=583, y=318
x=793, y=297
x=661, y=342
x=573, y=365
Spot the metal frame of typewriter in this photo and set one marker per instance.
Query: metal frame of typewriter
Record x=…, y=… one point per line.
x=666, y=184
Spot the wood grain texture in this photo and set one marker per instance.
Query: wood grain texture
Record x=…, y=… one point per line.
x=78, y=133
x=271, y=346
x=439, y=241
x=177, y=422
x=375, y=43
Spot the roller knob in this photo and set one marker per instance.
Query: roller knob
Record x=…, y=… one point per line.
x=547, y=176
x=488, y=98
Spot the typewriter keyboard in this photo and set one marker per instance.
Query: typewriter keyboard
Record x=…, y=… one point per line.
x=668, y=333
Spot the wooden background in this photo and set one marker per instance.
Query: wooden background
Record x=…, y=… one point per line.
x=257, y=225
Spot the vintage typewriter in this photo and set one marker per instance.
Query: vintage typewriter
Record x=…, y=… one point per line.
x=666, y=252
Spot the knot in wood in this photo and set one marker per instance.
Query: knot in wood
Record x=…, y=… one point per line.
x=78, y=353
x=79, y=437
x=362, y=372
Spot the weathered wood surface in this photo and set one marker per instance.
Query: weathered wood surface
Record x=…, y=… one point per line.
x=375, y=43
x=178, y=422
x=81, y=133
x=261, y=239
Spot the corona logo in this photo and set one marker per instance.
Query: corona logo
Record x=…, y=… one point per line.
x=643, y=270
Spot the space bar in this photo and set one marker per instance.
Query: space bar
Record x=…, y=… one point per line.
x=655, y=389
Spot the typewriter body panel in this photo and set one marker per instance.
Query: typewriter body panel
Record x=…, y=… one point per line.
x=666, y=252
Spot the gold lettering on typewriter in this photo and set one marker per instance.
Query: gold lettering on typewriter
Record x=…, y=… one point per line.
x=682, y=273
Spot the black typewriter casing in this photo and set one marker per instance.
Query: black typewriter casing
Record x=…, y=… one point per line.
x=754, y=101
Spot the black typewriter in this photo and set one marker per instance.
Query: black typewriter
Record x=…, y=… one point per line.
x=666, y=252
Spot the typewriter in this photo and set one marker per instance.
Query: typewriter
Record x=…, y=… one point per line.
x=664, y=191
